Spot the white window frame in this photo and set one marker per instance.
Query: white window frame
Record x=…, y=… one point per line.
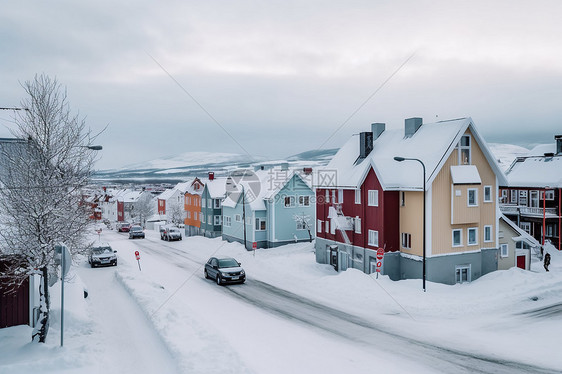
x=217, y=203
x=301, y=225
x=373, y=238
x=226, y=220
x=525, y=226
x=468, y=191
x=304, y=200
x=523, y=201
x=216, y=220
x=319, y=226
x=513, y=196
x=333, y=228
x=504, y=250
x=259, y=222
x=460, y=244
x=203, y=202
x=238, y=218
x=327, y=228
x=549, y=194
x=291, y=202
x=340, y=196
x=406, y=240
x=210, y=203
x=202, y=218
x=358, y=196
x=327, y=195
x=488, y=230
x=373, y=198
x=188, y=214
x=357, y=224
x=209, y=219
x=488, y=194
x=458, y=273
x=334, y=197
x=461, y=147
x=468, y=230
x=534, y=199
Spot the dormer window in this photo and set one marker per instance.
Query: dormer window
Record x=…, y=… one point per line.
x=464, y=150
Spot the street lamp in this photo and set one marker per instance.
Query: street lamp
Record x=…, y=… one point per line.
x=93, y=147
x=400, y=159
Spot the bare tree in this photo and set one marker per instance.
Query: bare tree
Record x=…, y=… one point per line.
x=175, y=212
x=144, y=208
x=303, y=221
x=42, y=172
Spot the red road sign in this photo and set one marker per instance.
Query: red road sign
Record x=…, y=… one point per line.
x=137, y=255
x=254, y=245
x=380, y=253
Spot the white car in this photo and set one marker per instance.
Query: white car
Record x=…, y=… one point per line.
x=102, y=255
x=170, y=233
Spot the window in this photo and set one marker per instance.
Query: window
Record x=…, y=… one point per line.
x=550, y=230
x=462, y=273
x=327, y=226
x=304, y=200
x=402, y=198
x=358, y=196
x=202, y=216
x=327, y=196
x=549, y=195
x=301, y=225
x=209, y=219
x=523, y=198
x=227, y=221
x=504, y=250
x=340, y=196
x=260, y=224
x=319, y=225
x=203, y=202
x=238, y=218
x=457, y=238
x=333, y=228
x=373, y=238
x=487, y=194
x=334, y=196
x=357, y=225
x=464, y=150
x=406, y=240
x=373, y=198
x=210, y=203
x=513, y=196
x=289, y=201
x=188, y=214
x=526, y=226
x=217, y=220
x=504, y=196
x=472, y=197
x=217, y=203
x=534, y=199
x=472, y=236
x=488, y=233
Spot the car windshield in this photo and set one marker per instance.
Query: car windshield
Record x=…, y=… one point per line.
x=174, y=230
x=228, y=263
x=136, y=228
x=101, y=250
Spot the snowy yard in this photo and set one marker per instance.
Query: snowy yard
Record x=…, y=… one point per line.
x=292, y=315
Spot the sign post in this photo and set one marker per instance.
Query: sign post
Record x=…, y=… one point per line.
x=99, y=234
x=254, y=247
x=380, y=256
x=65, y=260
x=137, y=255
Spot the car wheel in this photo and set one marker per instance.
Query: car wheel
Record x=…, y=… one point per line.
x=219, y=282
x=92, y=265
x=206, y=274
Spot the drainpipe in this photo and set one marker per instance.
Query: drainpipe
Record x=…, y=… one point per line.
x=543, y=215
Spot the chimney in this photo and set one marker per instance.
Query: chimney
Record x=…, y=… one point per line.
x=411, y=126
x=211, y=175
x=307, y=171
x=558, y=139
x=285, y=166
x=365, y=144
x=377, y=129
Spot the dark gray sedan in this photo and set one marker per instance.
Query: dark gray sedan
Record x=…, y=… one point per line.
x=224, y=270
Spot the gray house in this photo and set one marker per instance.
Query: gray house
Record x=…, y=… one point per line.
x=213, y=194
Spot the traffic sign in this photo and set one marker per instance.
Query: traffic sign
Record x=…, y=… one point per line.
x=137, y=255
x=254, y=245
x=380, y=253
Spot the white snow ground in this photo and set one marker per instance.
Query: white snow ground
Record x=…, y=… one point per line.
x=292, y=315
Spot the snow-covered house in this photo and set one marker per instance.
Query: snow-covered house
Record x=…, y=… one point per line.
x=170, y=203
x=515, y=246
x=192, y=206
x=119, y=205
x=532, y=196
x=277, y=204
x=367, y=200
x=212, y=197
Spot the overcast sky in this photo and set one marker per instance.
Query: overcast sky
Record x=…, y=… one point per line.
x=275, y=78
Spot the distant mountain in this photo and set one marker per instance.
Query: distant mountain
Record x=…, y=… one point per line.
x=178, y=168
x=174, y=169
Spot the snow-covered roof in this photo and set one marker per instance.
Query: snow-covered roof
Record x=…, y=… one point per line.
x=167, y=194
x=432, y=144
x=522, y=234
x=541, y=149
x=536, y=171
x=217, y=187
x=465, y=174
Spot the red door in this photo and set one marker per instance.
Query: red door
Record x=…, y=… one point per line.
x=521, y=262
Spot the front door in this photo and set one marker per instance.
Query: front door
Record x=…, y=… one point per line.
x=521, y=262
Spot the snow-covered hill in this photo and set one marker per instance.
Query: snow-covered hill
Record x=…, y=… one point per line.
x=506, y=153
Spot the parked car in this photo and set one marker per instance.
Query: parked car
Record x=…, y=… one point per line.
x=136, y=232
x=171, y=233
x=123, y=227
x=102, y=256
x=224, y=270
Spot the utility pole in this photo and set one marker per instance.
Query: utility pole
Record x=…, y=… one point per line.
x=244, y=215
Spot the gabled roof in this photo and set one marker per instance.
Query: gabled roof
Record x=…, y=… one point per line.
x=432, y=143
x=522, y=234
x=167, y=194
x=216, y=187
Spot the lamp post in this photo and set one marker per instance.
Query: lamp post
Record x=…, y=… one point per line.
x=400, y=159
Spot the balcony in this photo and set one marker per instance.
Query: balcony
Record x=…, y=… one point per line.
x=528, y=211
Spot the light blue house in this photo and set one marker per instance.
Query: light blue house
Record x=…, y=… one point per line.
x=277, y=204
